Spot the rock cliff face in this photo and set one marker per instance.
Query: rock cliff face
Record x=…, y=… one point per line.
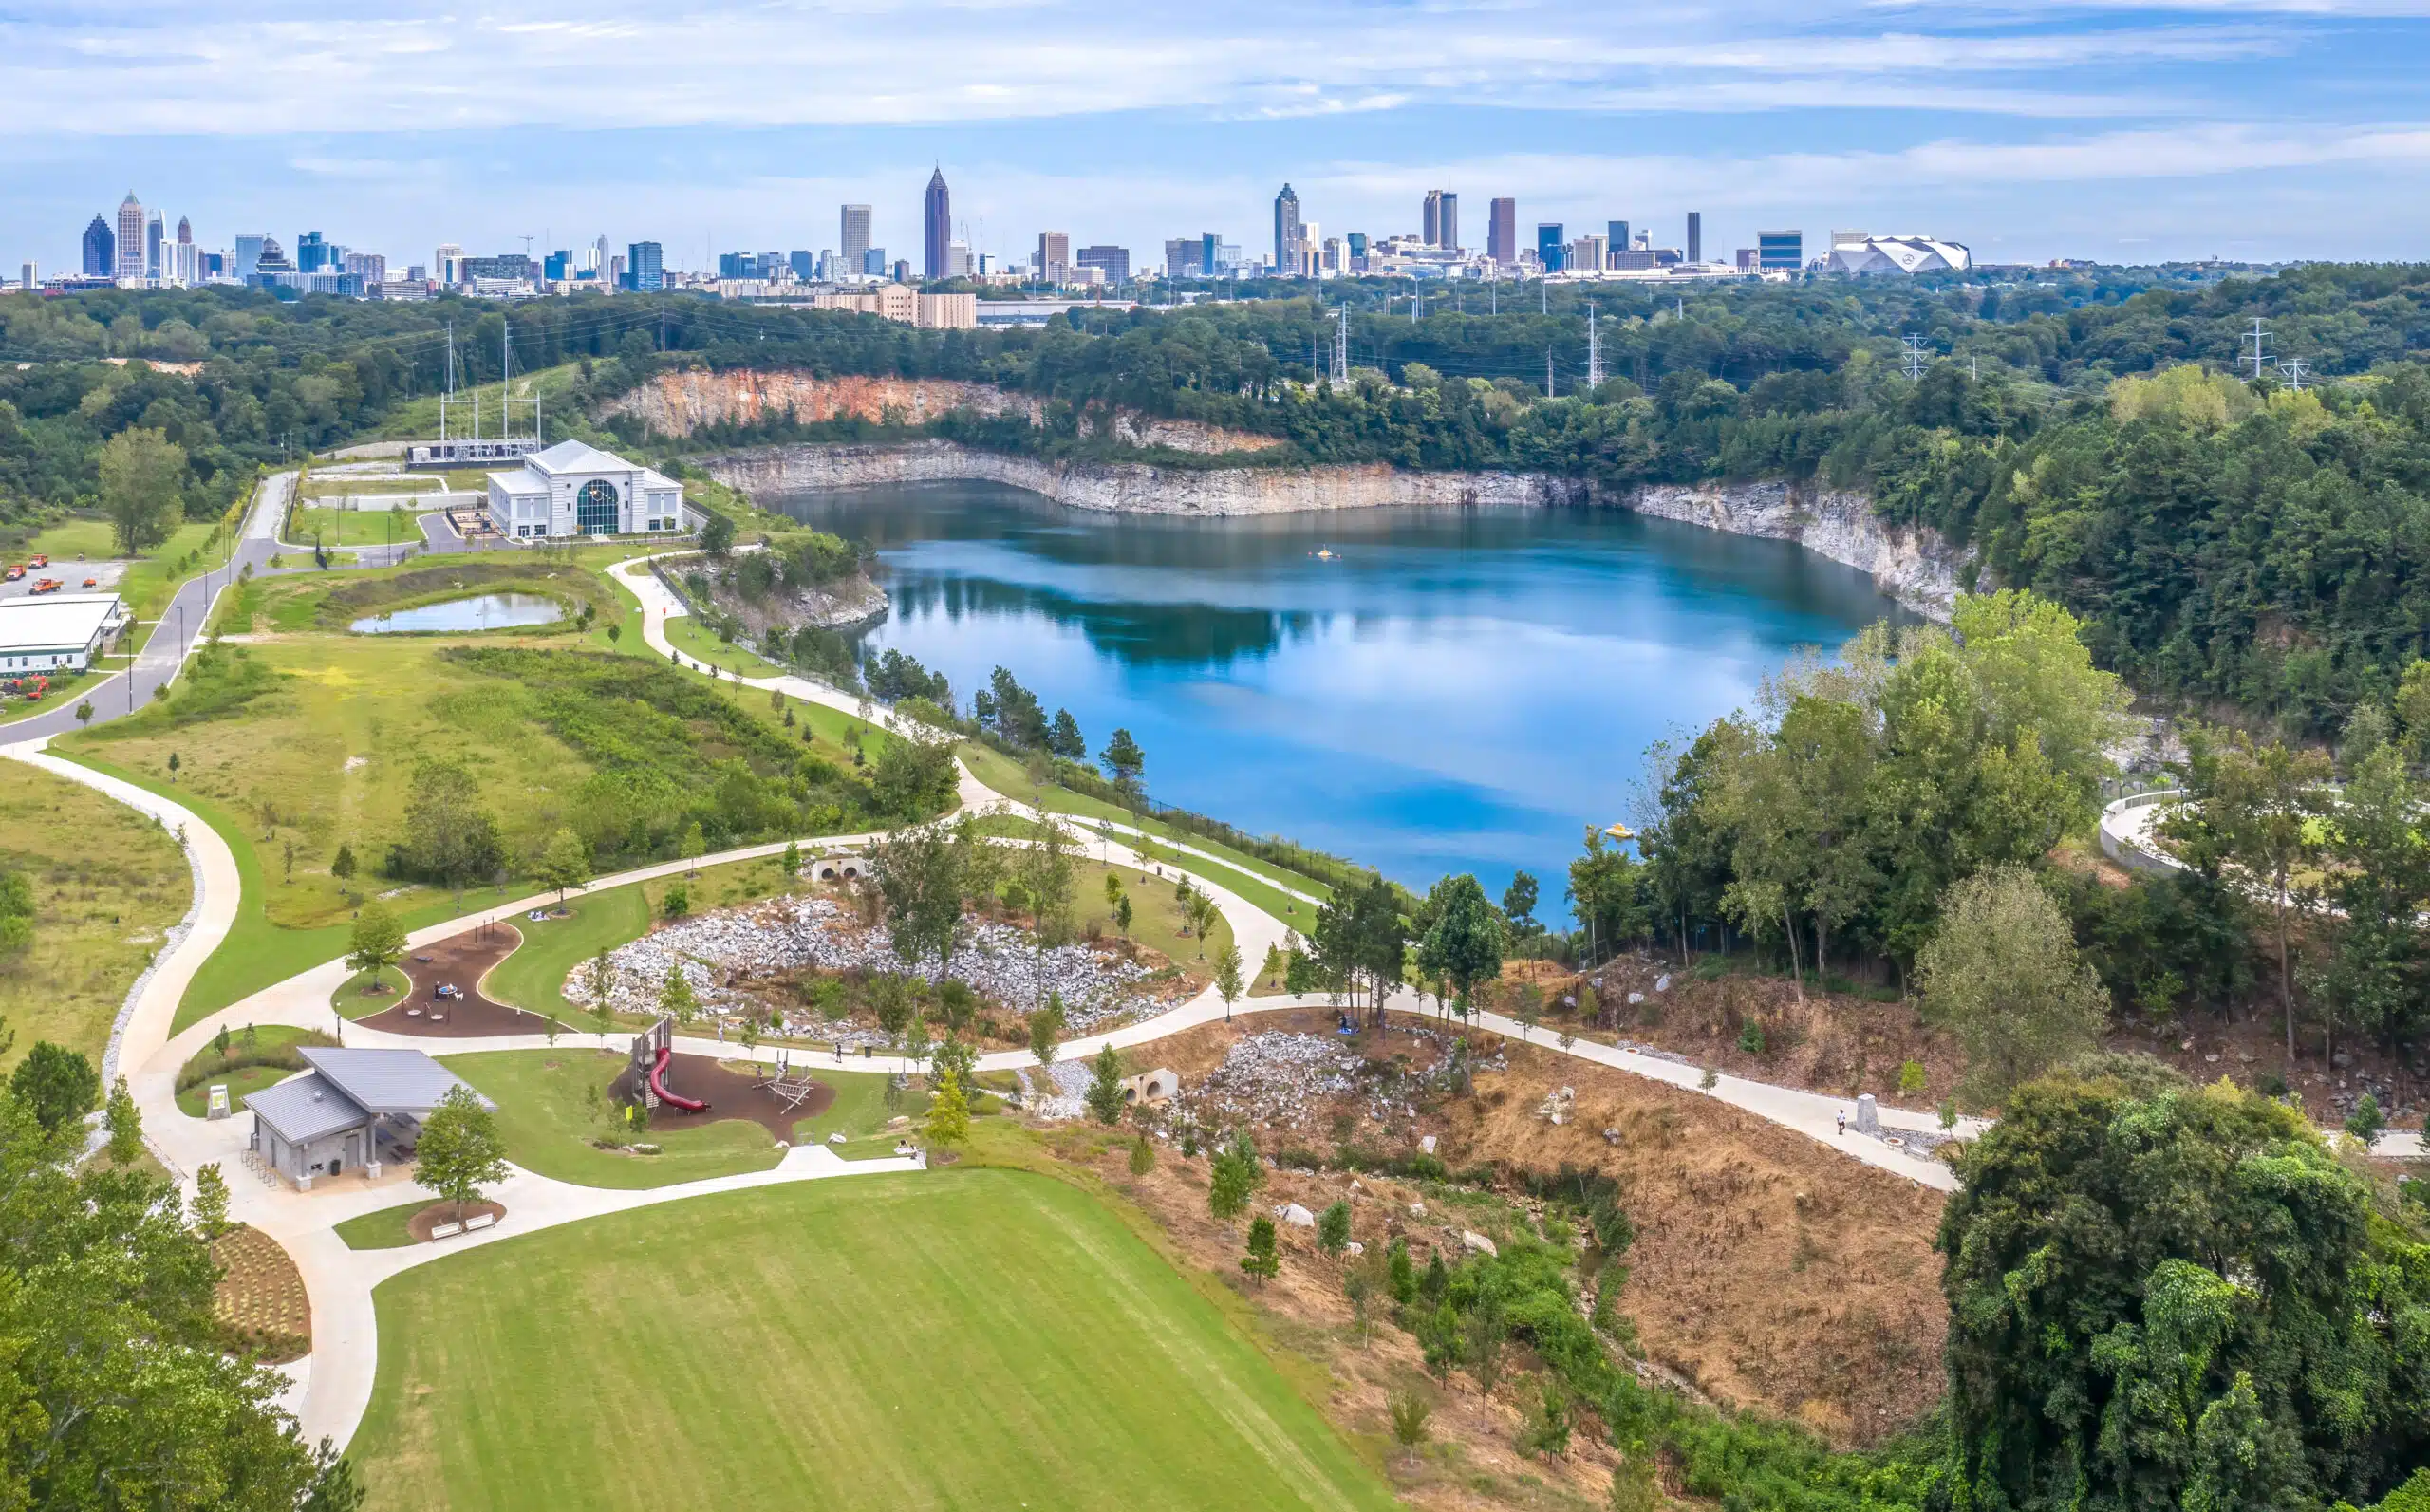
x=684, y=401
x=1915, y=567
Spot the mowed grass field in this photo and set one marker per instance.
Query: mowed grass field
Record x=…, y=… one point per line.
x=107, y=884
x=965, y=1338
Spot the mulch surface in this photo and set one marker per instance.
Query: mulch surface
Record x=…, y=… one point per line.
x=731, y=1091
x=429, y=1218
x=260, y=1300
x=460, y=961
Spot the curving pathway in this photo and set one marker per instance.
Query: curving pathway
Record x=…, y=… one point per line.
x=332, y=1387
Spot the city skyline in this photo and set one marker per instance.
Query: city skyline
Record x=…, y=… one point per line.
x=2262, y=129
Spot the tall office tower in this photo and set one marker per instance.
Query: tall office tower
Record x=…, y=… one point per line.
x=856, y=237
x=1054, y=257
x=1548, y=246
x=1618, y=240
x=1210, y=255
x=447, y=264
x=804, y=266
x=156, y=236
x=1115, y=262
x=1432, y=218
x=311, y=253
x=185, y=232
x=873, y=262
x=25, y=276
x=599, y=259
x=645, y=267
x=1502, y=230
x=249, y=254
x=1696, y=236
x=958, y=260
x=130, y=237
x=100, y=249
x=935, y=227
x=1443, y=219
x=1286, y=227
x=1181, y=257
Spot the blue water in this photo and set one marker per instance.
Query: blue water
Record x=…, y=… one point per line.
x=1456, y=691
x=486, y=611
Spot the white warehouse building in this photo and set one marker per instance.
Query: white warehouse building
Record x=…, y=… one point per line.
x=60, y=632
x=572, y=489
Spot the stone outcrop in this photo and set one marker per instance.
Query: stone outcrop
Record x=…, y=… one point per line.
x=1913, y=567
x=689, y=400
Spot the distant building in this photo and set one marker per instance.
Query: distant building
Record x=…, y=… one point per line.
x=737, y=265
x=1287, y=229
x=62, y=632
x=1053, y=259
x=872, y=262
x=1584, y=255
x=1115, y=262
x=1502, y=230
x=311, y=253
x=1779, y=250
x=1442, y=218
x=803, y=266
x=511, y=267
x=572, y=489
x=447, y=264
x=1548, y=246
x=1855, y=252
x=371, y=269
x=936, y=226
x=1357, y=242
x=645, y=267
x=1696, y=236
x=856, y=235
x=1181, y=257
x=1617, y=238
x=100, y=249
x=959, y=263
x=27, y=278
x=905, y=305
x=130, y=237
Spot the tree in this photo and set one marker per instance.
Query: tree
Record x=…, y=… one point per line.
x=1063, y=737
x=142, y=476
x=716, y=535
x=1233, y=1178
x=378, y=941
x=85, y=712
x=1046, y=1028
x=125, y=1124
x=1519, y=905
x=59, y=1085
x=2169, y=1297
x=789, y=865
x=1409, y=1413
x=2254, y=806
x=1143, y=1155
x=693, y=847
x=450, y=835
x=565, y=864
x=210, y=1201
x=1333, y=1228
x=1105, y=1086
x=458, y=1151
x=342, y=866
x=602, y=983
x=919, y=873
x=949, y=1121
x=2003, y=973
x=1548, y=1431
x=1464, y=946
x=1124, y=761
x=913, y=779
x=1227, y=976
x=1487, y=1335
x=1202, y=917
x=1262, y=1260
x=675, y=997
x=2364, y=1123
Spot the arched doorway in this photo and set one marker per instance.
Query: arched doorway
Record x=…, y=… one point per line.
x=595, y=509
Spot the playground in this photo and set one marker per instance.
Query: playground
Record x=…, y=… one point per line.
x=693, y=1092
x=460, y=963
x=887, y=1343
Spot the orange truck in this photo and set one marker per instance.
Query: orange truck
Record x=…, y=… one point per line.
x=16, y=570
x=48, y=584
x=39, y=561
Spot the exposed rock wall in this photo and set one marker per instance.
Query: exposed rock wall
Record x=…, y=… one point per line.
x=688, y=399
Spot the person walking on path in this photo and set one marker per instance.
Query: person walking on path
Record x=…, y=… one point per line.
x=1843, y=1123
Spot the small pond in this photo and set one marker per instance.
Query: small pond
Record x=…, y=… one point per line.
x=487, y=612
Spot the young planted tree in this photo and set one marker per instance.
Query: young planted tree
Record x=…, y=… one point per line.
x=1464, y=944
x=1410, y=1412
x=1203, y=914
x=675, y=998
x=920, y=878
x=1143, y=1155
x=948, y=1121
x=459, y=1151
x=1124, y=762
x=1333, y=1228
x=210, y=1201
x=1233, y=1178
x=125, y=1124
x=377, y=943
x=57, y=1084
x=1046, y=1029
x=694, y=846
x=1227, y=976
x=565, y=864
x=1105, y=1086
x=342, y=866
x=1262, y=1261
x=2004, y=975
x=602, y=983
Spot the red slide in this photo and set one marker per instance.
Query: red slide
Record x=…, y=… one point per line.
x=657, y=1085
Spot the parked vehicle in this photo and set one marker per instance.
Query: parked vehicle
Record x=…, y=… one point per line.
x=16, y=570
x=92, y=582
x=39, y=560
x=48, y=584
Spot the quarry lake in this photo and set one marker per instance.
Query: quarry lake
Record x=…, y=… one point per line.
x=1448, y=690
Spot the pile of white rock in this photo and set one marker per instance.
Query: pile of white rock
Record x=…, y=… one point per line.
x=999, y=962
x=1277, y=1077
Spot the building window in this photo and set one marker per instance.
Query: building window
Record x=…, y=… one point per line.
x=595, y=509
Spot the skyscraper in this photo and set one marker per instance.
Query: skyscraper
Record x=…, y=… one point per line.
x=1053, y=256
x=100, y=249
x=1502, y=230
x=130, y=237
x=1286, y=228
x=156, y=236
x=447, y=264
x=1619, y=238
x=644, y=269
x=1442, y=218
x=1550, y=249
x=311, y=253
x=856, y=236
x=1696, y=236
x=935, y=227
x=249, y=254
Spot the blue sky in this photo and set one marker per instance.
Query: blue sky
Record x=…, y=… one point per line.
x=2254, y=128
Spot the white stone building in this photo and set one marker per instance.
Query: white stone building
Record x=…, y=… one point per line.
x=575, y=489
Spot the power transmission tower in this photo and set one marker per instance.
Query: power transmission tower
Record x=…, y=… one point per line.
x=1594, y=351
x=1341, y=342
x=1548, y=372
x=2294, y=368
x=2257, y=335
x=1914, y=359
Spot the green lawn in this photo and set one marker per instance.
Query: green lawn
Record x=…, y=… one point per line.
x=107, y=883
x=685, y=633
x=156, y=572
x=959, y=1339
x=547, y=1125
x=352, y=1002
x=269, y=1040
x=335, y=527
x=385, y=1229
x=1004, y=775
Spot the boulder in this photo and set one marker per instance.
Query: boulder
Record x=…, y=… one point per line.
x=1478, y=1243
x=1296, y=1215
